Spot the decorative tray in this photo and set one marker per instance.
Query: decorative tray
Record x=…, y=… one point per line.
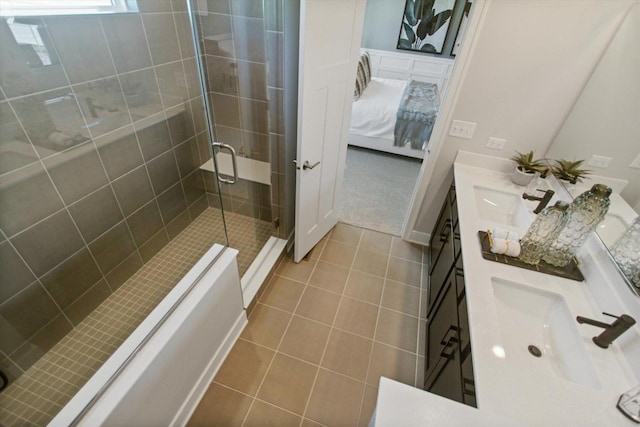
x=570, y=271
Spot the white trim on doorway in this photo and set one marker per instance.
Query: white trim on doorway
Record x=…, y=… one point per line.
x=441, y=126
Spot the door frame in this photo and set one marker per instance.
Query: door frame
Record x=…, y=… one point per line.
x=440, y=129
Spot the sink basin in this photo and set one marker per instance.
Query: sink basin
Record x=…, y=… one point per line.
x=611, y=227
x=531, y=316
x=501, y=207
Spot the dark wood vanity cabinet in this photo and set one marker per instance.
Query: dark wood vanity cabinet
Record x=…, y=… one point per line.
x=449, y=368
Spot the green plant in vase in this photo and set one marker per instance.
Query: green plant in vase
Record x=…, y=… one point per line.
x=568, y=170
x=526, y=168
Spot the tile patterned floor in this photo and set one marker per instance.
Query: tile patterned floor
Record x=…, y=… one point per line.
x=39, y=394
x=322, y=334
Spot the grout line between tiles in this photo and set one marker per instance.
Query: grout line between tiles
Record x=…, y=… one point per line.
x=333, y=323
x=280, y=343
x=375, y=330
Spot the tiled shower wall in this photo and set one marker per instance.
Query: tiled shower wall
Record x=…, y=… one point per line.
x=242, y=49
x=102, y=132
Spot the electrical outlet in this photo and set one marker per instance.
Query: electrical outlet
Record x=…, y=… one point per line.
x=599, y=161
x=636, y=162
x=462, y=129
x=496, y=143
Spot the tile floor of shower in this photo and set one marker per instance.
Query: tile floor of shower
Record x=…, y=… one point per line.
x=322, y=334
x=39, y=394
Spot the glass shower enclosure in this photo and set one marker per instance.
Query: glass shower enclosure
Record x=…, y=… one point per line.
x=108, y=186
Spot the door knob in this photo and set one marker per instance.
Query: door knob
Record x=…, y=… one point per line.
x=306, y=165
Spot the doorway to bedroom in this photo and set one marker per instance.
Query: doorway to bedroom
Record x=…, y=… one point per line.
x=377, y=189
x=384, y=161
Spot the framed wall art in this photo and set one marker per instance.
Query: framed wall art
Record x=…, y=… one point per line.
x=425, y=25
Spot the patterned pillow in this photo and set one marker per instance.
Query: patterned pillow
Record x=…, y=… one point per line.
x=363, y=77
x=361, y=81
x=366, y=62
x=357, y=91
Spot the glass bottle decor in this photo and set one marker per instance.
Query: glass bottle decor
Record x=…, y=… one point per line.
x=542, y=232
x=626, y=252
x=583, y=215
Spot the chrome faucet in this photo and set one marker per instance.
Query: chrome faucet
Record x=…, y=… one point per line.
x=612, y=331
x=544, y=200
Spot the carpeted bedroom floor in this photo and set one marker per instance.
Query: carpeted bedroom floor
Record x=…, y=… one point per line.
x=377, y=189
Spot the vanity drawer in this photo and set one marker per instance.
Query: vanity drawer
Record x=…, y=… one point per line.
x=441, y=252
x=449, y=368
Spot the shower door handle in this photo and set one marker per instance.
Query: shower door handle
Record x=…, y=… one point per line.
x=234, y=162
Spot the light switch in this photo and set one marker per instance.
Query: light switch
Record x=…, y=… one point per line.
x=599, y=161
x=462, y=129
x=496, y=143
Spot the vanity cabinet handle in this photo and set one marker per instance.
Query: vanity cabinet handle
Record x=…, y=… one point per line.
x=446, y=230
x=450, y=342
x=468, y=387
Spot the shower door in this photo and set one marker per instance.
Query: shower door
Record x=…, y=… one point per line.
x=240, y=55
x=104, y=205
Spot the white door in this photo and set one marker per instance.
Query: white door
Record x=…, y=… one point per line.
x=330, y=34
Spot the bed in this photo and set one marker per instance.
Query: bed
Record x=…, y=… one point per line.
x=374, y=114
x=374, y=118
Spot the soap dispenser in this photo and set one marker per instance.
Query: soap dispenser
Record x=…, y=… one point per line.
x=584, y=214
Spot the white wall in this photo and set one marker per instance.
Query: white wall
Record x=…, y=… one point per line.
x=528, y=63
x=606, y=119
x=382, y=24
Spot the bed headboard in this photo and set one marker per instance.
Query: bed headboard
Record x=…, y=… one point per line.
x=405, y=66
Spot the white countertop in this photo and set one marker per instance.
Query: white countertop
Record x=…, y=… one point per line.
x=511, y=384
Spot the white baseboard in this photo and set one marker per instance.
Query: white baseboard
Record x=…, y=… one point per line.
x=191, y=403
x=260, y=268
